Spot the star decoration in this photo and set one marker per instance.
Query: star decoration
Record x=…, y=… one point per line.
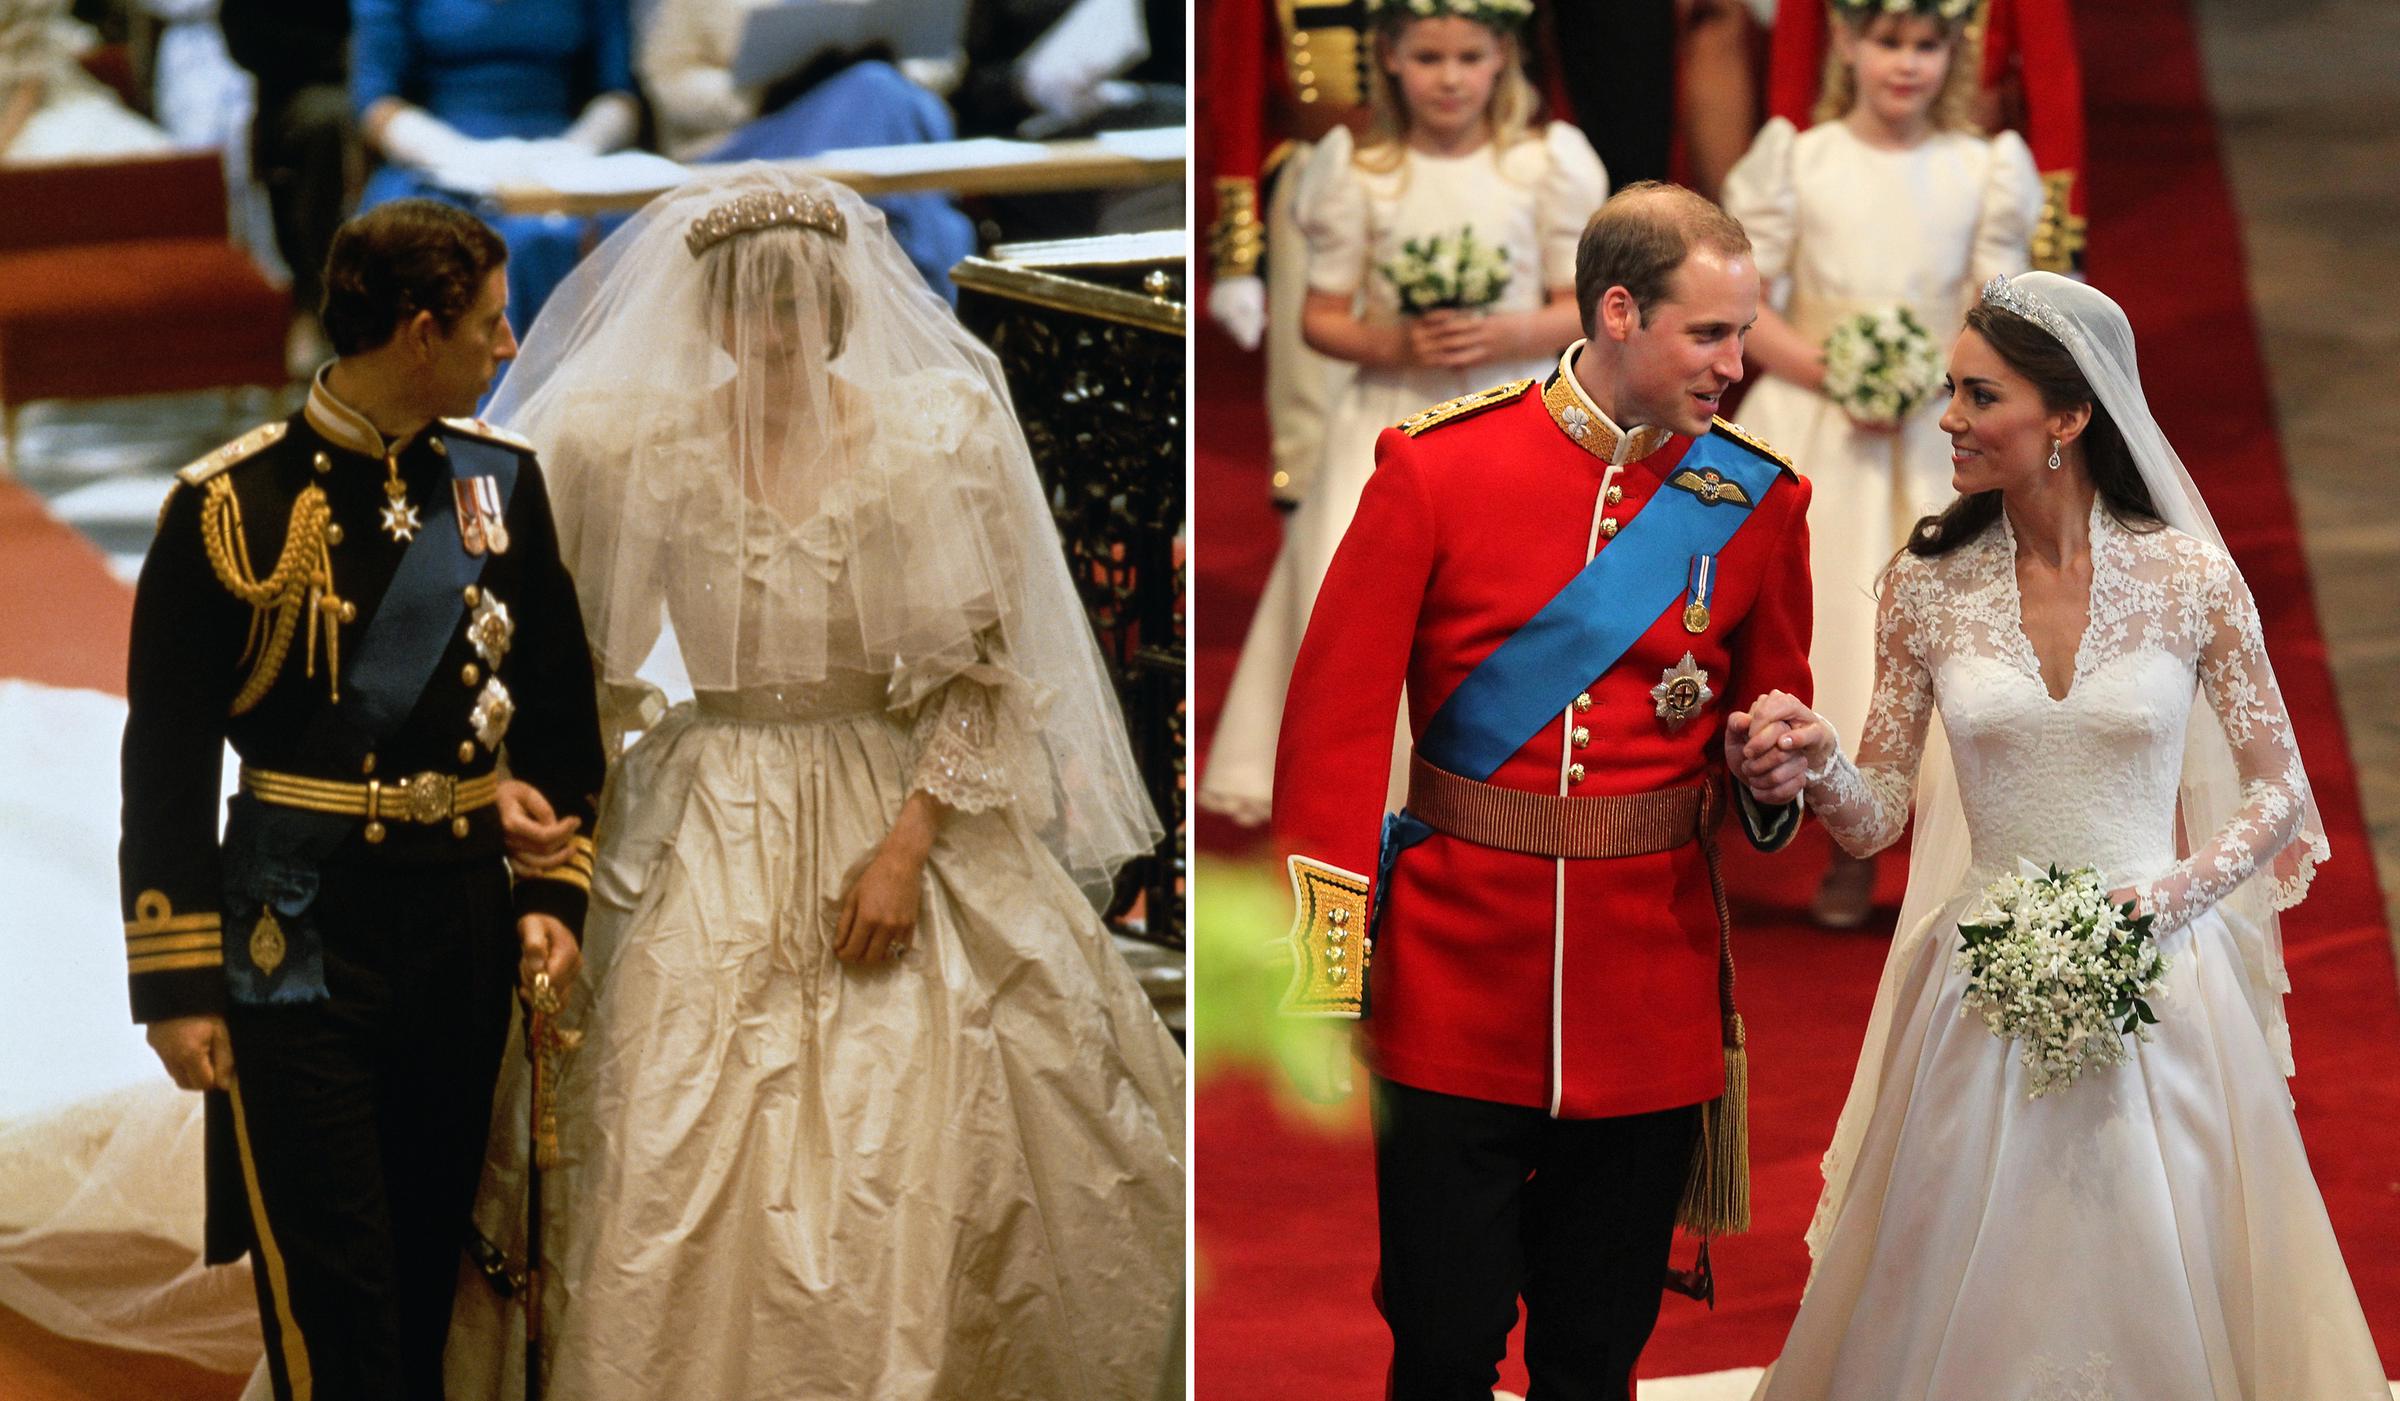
x=400, y=520
x=490, y=629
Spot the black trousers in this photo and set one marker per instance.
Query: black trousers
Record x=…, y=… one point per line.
x=305, y=150
x=1480, y=1203
x=360, y=1125
x=1616, y=59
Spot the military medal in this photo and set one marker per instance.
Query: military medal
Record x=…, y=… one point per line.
x=470, y=515
x=1702, y=583
x=1681, y=690
x=266, y=944
x=399, y=518
x=495, y=528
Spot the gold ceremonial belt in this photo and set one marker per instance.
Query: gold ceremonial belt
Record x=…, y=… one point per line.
x=1540, y=824
x=424, y=798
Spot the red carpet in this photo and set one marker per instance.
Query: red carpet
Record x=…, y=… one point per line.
x=1285, y=1214
x=63, y=616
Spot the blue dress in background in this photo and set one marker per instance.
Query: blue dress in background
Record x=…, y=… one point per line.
x=524, y=68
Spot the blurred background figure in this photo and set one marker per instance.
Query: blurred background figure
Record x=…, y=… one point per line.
x=1893, y=201
x=303, y=145
x=1440, y=259
x=51, y=107
x=463, y=94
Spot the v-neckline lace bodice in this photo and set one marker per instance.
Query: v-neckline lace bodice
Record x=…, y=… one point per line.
x=2089, y=777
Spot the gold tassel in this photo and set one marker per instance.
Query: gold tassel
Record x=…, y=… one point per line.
x=1716, y=1197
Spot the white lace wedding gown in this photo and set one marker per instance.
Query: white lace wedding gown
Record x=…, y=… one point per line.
x=2153, y=1232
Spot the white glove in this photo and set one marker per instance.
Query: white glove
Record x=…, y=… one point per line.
x=609, y=122
x=416, y=137
x=1239, y=304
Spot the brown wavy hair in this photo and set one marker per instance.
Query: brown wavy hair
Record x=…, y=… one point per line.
x=1953, y=107
x=2040, y=358
x=398, y=259
x=1511, y=112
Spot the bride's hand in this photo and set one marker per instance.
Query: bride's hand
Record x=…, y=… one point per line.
x=879, y=915
x=1772, y=746
x=536, y=836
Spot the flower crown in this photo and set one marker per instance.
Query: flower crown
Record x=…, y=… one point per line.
x=2000, y=295
x=1493, y=14
x=766, y=210
x=1947, y=11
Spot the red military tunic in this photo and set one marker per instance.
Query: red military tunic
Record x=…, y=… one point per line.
x=1586, y=987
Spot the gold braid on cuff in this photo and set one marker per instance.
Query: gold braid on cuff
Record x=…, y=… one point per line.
x=1237, y=240
x=1328, y=940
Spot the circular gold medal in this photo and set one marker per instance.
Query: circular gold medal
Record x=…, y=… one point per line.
x=1695, y=618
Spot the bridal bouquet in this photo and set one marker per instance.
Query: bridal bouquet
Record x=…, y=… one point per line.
x=1881, y=364
x=2050, y=963
x=1447, y=272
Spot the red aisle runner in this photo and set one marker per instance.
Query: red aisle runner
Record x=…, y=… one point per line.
x=1285, y=1214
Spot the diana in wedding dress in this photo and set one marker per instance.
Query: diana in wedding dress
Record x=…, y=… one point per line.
x=868, y=1103
x=2152, y=1233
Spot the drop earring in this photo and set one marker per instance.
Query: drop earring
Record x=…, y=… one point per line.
x=2054, y=454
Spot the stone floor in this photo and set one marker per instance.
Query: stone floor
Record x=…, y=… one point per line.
x=2308, y=105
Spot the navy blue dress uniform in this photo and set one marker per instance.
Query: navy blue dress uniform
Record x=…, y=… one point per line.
x=374, y=627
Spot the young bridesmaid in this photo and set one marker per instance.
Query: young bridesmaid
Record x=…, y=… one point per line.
x=1453, y=156
x=1892, y=200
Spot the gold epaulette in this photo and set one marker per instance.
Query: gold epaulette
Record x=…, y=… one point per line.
x=477, y=428
x=1328, y=940
x=1464, y=406
x=1756, y=444
x=250, y=444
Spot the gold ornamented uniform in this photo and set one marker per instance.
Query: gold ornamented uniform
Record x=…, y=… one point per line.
x=373, y=627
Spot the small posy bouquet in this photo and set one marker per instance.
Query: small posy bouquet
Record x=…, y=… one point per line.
x=2051, y=964
x=1881, y=364
x=1447, y=272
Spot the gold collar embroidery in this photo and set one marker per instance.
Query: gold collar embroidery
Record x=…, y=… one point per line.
x=1590, y=429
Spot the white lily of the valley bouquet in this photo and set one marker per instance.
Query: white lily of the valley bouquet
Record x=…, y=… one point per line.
x=1447, y=272
x=2052, y=965
x=1879, y=365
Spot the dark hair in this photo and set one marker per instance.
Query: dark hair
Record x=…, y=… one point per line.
x=1640, y=237
x=2038, y=355
x=401, y=258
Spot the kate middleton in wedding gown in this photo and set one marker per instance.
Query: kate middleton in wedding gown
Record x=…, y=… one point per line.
x=955, y=1173
x=2152, y=1233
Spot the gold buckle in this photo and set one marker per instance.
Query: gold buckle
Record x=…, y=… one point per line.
x=430, y=797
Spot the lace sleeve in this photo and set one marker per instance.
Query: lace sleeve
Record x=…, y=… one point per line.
x=962, y=753
x=1865, y=804
x=2240, y=686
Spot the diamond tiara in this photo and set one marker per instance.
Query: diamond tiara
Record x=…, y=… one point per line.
x=765, y=210
x=2000, y=295
x=1494, y=14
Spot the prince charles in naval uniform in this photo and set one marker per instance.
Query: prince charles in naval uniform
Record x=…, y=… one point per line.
x=1570, y=577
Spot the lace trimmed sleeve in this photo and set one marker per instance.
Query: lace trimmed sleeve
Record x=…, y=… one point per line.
x=2240, y=687
x=1865, y=803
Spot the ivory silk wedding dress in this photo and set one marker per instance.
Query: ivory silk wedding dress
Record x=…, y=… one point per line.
x=2151, y=1233
x=955, y=1174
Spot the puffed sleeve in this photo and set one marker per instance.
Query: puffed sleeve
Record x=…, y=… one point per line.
x=1572, y=188
x=1332, y=212
x=2012, y=201
x=379, y=53
x=1759, y=192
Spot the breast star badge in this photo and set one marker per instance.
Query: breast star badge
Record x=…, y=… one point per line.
x=1681, y=690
